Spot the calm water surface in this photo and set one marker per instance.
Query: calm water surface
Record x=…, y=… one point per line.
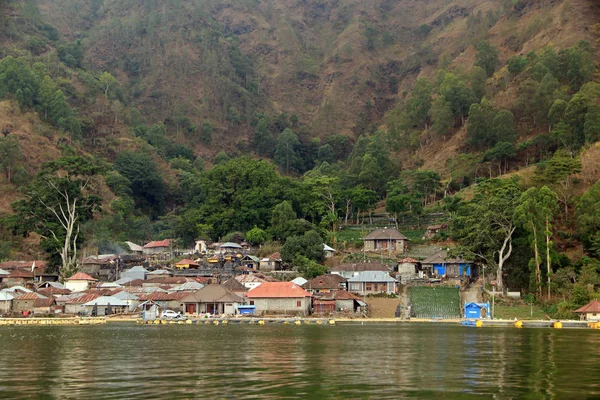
x=122, y=361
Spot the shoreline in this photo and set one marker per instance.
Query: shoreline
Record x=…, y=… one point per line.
x=301, y=321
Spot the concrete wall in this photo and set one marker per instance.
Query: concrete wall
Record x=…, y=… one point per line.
x=283, y=305
x=23, y=305
x=592, y=316
x=5, y=306
x=363, y=287
x=77, y=286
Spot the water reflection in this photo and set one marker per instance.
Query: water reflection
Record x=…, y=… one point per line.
x=277, y=361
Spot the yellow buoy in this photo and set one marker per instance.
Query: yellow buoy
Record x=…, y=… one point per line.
x=557, y=325
x=225, y=322
x=307, y=322
x=286, y=322
x=216, y=322
x=189, y=321
x=319, y=322
x=332, y=322
x=518, y=324
x=261, y=322
x=298, y=322
x=478, y=323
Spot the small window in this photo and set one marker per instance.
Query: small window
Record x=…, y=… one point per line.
x=251, y=302
x=299, y=303
x=369, y=287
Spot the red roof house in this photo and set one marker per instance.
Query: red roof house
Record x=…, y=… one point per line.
x=590, y=312
x=157, y=247
x=280, y=298
x=79, y=282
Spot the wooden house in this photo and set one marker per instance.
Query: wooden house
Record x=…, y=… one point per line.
x=441, y=265
x=386, y=240
x=325, y=284
x=271, y=263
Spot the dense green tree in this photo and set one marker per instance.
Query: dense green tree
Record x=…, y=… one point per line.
x=556, y=113
x=480, y=129
x=418, y=104
x=147, y=183
x=516, y=64
x=501, y=152
x=18, y=81
x=309, y=245
x=441, y=116
x=108, y=83
x=478, y=82
x=558, y=173
x=456, y=92
x=11, y=156
x=591, y=127
x=503, y=126
x=485, y=225
x=544, y=96
x=535, y=212
x=286, y=151
x=588, y=219
x=281, y=217
x=308, y=268
x=487, y=57
x=206, y=132
x=256, y=236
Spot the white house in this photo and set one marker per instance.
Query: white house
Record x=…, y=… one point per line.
x=329, y=251
x=79, y=282
x=590, y=312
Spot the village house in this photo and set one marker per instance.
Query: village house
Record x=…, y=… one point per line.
x=6, y=299
x=130, y=298
x=136, y=272
x=280, y=298
x=387, y=240
x=44, y=306
x=157, y=247
x=372, y=282
x=186, y=264
x=3, y=274
x=251, y=262
x=26, y=302
x=80, y=282
x=76, y=305
x=299, y=281
x=325, y=284
x=135, y=248
x=590, y=312
x=441, y=265
x=408, y=269
x=105, y=305
x=250, y=281
x=329, y=251
x=433, y=230
x=348, y=270
x=212, y=299
x=336, y=301
x=271, y=263
x=19, y=277
x=236, y=287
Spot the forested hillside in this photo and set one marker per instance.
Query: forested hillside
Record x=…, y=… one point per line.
x=286, y=120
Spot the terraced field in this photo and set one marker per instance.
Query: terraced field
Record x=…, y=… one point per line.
x=435, y=302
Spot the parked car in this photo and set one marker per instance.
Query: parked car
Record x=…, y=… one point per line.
x=170, y=314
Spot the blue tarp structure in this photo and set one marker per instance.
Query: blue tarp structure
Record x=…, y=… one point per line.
x=477, y=310
x=246, y=310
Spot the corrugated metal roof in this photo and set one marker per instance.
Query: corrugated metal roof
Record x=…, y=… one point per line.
x=188, y=286
x=83, y=299
x=105, y=301
x=6, y=296
x=327, y=281
x=45, y=302
x=81, y=276
x=357, y=267
x=213, y=294
x=158, y=243
x=386, y=234
x=30, y=296
x=372, y=276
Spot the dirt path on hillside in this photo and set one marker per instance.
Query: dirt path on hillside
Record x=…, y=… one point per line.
x=472, y=294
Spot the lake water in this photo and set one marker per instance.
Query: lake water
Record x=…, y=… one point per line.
x=125, y=361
